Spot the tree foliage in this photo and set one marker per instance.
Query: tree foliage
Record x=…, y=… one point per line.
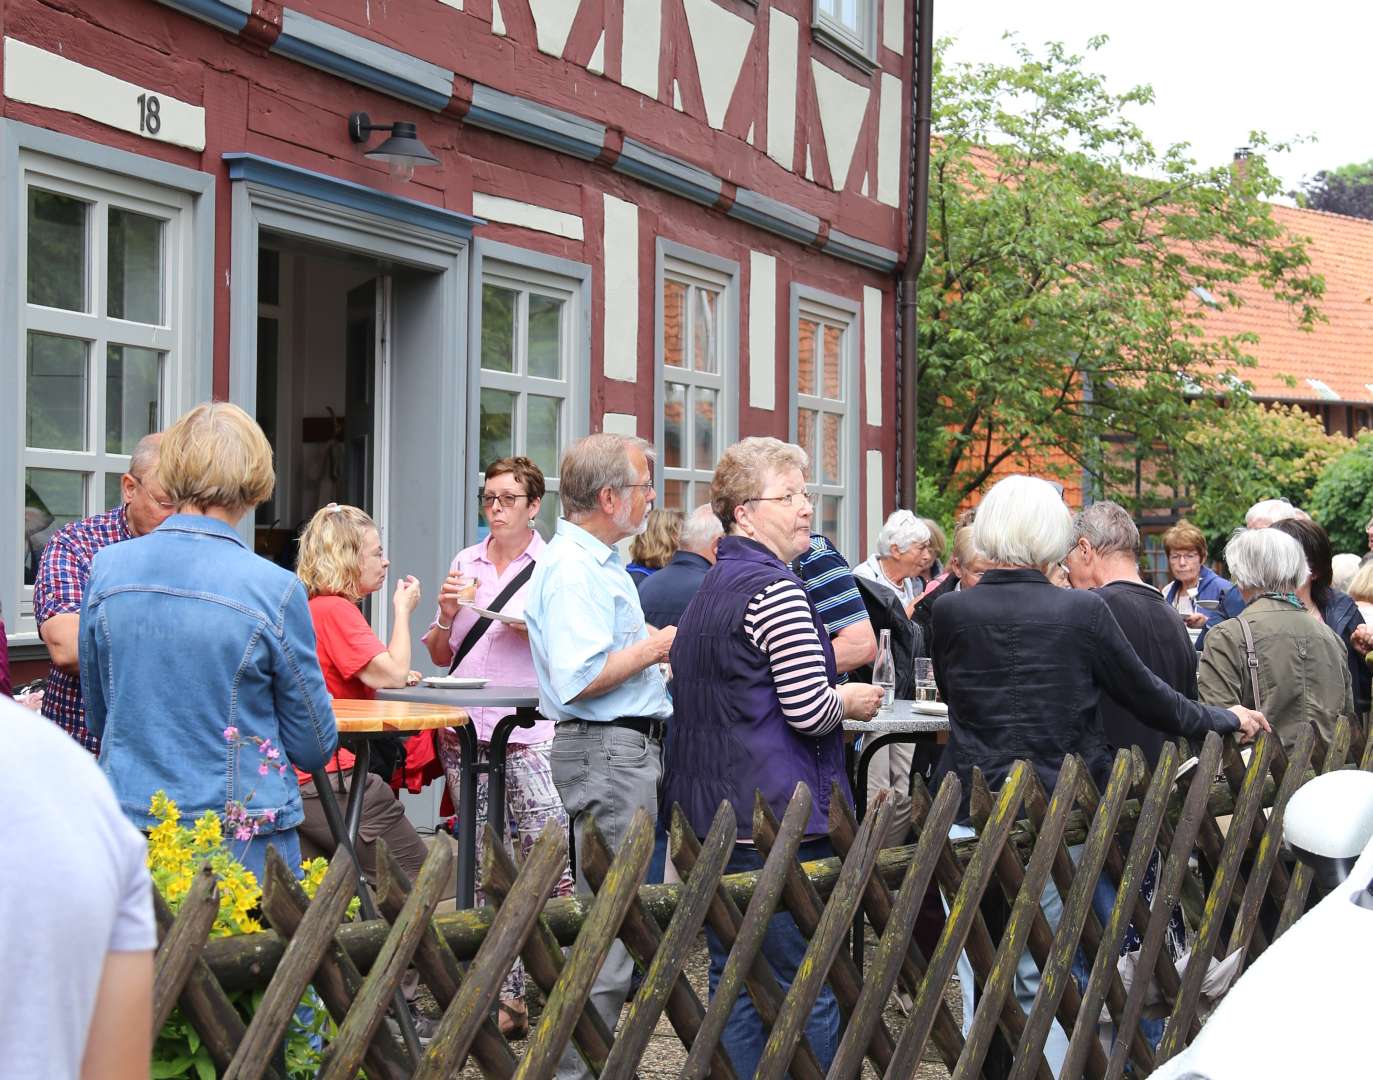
x=1346, y=190
x=1234, y=457
x=1343, y=497
x=1059, y=301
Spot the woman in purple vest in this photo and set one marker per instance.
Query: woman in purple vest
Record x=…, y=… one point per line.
x=755, y=703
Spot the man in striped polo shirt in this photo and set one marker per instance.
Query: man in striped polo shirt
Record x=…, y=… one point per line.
x=830, y=586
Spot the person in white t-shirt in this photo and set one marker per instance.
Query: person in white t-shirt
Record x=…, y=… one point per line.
x=77, y=931
x=903, y=554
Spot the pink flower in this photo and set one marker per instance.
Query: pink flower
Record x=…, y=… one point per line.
x=262, y=769
x=269, y=816
x=243, y=832
x=273, y=754
x=230, y=733
x=281, y=769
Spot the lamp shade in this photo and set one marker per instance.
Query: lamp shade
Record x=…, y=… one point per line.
x=403, y=146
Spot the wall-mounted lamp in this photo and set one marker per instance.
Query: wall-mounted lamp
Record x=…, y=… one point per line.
x=402, y=151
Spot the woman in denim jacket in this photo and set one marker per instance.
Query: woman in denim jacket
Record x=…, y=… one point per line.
x=198, y=656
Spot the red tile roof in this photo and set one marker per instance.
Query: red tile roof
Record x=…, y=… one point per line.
x=1337, y=353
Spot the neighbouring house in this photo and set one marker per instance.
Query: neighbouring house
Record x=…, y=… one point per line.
x=675, y=218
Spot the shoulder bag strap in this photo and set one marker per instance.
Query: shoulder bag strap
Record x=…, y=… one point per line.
x=483, y=624
x=1252, y=659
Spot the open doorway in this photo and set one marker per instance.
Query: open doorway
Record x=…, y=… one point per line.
x=322, y=373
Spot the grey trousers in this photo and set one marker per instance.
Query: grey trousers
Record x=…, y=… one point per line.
x=890, y=769
x=605, y=773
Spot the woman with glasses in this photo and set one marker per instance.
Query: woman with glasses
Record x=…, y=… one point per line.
x=757, y=705
x=1200, y=595
x=482, y=574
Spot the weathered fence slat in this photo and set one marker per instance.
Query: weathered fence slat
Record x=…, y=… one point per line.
x=336, y=979
x=663, y=955
x=481, y=985
x=182, y=943
x=572, y=992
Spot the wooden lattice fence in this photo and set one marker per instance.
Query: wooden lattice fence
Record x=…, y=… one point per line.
x=1023, y=841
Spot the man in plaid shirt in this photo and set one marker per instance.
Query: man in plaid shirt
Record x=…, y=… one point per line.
x=66, y=568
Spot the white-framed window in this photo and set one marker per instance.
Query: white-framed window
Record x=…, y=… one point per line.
x=532, y=367
x=697, y=370
x=849, y=27
x=824, y=414
x=104, y=338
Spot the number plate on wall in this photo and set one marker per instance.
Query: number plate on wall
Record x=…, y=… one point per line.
x=54, y=82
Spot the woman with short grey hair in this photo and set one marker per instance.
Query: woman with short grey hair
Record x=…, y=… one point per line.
x=903, y=554
x=1302, y=671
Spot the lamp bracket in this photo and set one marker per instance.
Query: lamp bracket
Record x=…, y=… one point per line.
x=360, y=125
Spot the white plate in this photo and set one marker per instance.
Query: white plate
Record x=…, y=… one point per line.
x=930, y=708
x=499, y=616
x=454, y=682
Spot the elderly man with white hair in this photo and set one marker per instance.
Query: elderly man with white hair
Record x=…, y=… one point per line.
x=1300, y=670
x=1266, y=511
x=666, y=594
x=1023, y=666
x=903, y=554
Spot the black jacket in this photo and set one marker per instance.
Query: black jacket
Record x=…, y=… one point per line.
x=923, y=615
x=886, y=612
x=1342, y=615
x=1023, y=664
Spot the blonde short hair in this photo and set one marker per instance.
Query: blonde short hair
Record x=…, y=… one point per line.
x=216, y=456
x=1361, y=586
x=331, y=551
x=742, y=472
x=656, y=545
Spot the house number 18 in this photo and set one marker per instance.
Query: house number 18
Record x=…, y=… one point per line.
x=149, y=114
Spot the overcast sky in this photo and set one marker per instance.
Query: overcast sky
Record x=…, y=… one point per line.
x=1219, y=68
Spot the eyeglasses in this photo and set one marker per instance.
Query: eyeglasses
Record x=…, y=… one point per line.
x=1180, y=556
x=646, y=486
x=163, y=503
x=506, y=501
x=799, y=499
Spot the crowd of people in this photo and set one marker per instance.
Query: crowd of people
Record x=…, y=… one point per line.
x=721, y=661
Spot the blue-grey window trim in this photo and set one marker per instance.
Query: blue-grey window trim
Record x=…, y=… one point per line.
x=729, y=376
x=842, y=44
x=18, y=138
x=852, y=385
x=580, y=412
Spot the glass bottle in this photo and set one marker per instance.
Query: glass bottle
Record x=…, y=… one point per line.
x=884, y=670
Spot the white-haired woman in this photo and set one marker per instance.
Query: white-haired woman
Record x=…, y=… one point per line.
x=903, y=555
x=1022, y=665
x=1303, y=670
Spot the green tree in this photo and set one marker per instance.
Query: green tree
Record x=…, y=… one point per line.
x=1342, y=500
x=1070, y=266
x=1234, y=457
x=1346, y=190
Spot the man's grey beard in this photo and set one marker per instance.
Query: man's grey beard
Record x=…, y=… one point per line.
x=621, y=520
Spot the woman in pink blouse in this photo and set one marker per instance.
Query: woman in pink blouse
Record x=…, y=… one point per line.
x=510, y=500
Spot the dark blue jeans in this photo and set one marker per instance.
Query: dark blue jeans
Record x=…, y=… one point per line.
x=784, y=947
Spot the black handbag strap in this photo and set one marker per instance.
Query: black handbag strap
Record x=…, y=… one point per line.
x=1251, y=661
x=484, y=623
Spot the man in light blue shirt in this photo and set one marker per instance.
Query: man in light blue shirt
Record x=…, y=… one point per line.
x=597, y=664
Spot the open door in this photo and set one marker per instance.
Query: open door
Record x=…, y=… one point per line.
x=366, y=364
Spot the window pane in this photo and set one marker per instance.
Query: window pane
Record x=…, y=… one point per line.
x=674, y=323
x=133, y=400
x=543, y=441
x=832, y=449
x=52, y=498
x=701, y=495
x=56, y=392
x=547, y=521
x=498, y=328
x=497, y=426
x=845, y=12
x=674, y=494
x=829, y=518
x=545, y=336
x=806, y=333
x=834, y=341
x=114, y=493
x=135, y=265
x=57, y=250
x=268, y=276
x=674, y=417
x=706, y=429
x=806, y=420
x=705, y=330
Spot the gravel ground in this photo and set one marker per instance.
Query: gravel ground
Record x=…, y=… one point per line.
x=665, y=1054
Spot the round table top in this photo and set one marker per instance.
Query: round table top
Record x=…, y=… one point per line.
x=493, y=697
x=901, y=717
x=359, y=717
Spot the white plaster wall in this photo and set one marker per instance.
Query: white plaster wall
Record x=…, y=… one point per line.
x=621, y=247
x=762, y=330
x=553, y=22
x=782, y=38
x=889, y=142
x=643, y=29
x=720, y=39
x=618, y=423
x=842, y=104
x=876, y=512
x=527, y=215
x=894, y=24
x=872, y=353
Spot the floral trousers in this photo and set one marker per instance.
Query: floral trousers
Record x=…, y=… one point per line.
x=531, y=801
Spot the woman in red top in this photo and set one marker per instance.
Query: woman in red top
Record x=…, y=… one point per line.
x=341, y=561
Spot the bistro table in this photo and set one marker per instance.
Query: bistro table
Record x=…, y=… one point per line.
x=362, y=721
x=525, y=701
x=902, y=722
